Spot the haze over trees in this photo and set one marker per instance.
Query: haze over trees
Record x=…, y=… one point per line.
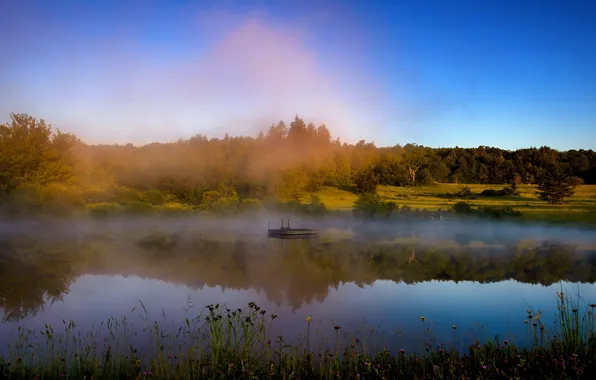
x=40, y=167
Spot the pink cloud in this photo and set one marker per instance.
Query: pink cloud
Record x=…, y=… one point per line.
x=243, y=74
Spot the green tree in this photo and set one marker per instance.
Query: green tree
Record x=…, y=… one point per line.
x=557, y=183
x=31, y=153
x=414, y=161
x=366, y=181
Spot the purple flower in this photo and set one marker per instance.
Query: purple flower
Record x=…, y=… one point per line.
x=483, y=367
x=62, y=375
x=506, y=342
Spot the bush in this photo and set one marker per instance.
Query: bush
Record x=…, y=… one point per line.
x=504, y=192
x=140, y=208
x=463, y=192
x=371, y=206
x=25, y=199
x=463, y=208
x=124, y=195
x=250, y=205
x=103, y=209
x=499, y=212
x=176, y=209
x=154, y=197
x=60, y=200
x=224, y=201
x=52, y=199
x=315, y=207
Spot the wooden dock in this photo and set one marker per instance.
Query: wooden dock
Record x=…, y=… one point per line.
x=286, y=232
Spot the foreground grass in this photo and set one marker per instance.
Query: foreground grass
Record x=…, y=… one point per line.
x=222, y=343
x=580, y=208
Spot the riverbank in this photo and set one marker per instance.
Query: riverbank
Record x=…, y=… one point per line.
x=222, y=343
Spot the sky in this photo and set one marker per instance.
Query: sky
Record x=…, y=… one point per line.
x=506, y=73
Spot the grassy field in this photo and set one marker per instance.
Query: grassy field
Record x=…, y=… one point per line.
x=579, y=208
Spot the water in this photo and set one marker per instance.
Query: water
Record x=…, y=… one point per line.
x=480, y=278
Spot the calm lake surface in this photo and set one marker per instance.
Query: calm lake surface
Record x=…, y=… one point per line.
x=481, y=277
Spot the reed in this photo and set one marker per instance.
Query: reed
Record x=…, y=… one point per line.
x=223, y=343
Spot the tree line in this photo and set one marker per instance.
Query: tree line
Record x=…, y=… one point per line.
x=286, y=162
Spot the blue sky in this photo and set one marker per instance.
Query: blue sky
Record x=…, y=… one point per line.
x=440, y=73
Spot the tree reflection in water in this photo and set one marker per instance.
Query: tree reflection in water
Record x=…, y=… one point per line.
x=35, y=271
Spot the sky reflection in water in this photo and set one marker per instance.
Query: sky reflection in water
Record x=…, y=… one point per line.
x=336, y=282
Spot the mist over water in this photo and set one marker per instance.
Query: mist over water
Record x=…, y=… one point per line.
x=478, y=275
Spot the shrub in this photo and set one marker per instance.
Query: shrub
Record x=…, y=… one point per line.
x=504, y=192
x=250, y=205
x=103, y=209
x=175, y=209
x=154, y=197
x=224, y=201
x=60, y=200
x=124, y=195
x=371, y=206
x=140, y=208
x=315, y=207
x=25, y=199
x=463, y=208
x=463, y=192
x=499, y=211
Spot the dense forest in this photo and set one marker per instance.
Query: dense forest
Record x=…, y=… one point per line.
x=284, y=162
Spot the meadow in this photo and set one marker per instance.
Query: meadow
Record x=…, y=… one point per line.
x=580, y=208
x=67, y=201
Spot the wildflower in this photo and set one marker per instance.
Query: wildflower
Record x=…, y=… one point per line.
x=308, y=319
x=506, y=342
x=150, y=373
x=483, y=367
x=423, y=319
x=337, y=327
x=454, y=327
x=62, y=375
x=402, y=351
